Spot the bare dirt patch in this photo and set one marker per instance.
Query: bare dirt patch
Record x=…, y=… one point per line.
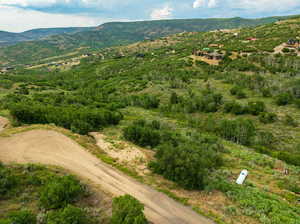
x=3, y=123
x=126, y=154
x=53, y=148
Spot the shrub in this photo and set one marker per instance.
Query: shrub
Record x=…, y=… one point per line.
x=127, y=210
x=240, y=131
x=174, y=98
x=284, y=99
x=238, y=92
x=267, y=118
x=188, y=162
x=146, y=101
x=288, y=120
x=255, y=108
x=68, y=215
x=22, y=217
x=143, y=133
x=59, y=192
x=290, y=158
x=266, y=92
x=5, y=221
x=82, y=120
x=234, y=108
x=7, y=180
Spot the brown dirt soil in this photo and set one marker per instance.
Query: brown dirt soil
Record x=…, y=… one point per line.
x=53, y=148
x=3, y=123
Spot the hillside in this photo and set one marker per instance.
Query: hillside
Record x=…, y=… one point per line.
x=8, y=38
x=201, y=107
x=111, y=34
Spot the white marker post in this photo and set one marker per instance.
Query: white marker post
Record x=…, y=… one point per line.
x=242, y=177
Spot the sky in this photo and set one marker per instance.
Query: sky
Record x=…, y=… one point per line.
x=21, y=15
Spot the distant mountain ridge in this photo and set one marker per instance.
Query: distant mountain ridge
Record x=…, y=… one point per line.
x=9, y=38
x=73, y=40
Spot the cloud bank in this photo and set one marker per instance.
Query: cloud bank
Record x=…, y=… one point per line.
x=16, y=15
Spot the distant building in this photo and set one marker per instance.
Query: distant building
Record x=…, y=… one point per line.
x=251, y=39
x=216, y=45
x=210, y=54
x=293, y=43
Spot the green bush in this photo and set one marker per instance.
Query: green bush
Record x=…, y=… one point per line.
x=234, y=108
x=267, y=118
x=291, y=158
x=284, y=99
x=81, y=120
x=289, y=120
x=146, y=101
x=59, y=192
x=22, y=217
x=238, y=92
x=241, y=131
x=255, y=108
x=143, y=133
x=188, y=162
x=5, y=221
x=7, y=180
x=127, y=210
x=67, y=215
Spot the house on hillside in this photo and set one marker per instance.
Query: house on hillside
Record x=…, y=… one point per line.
x=251, y=39
x=216, y=45
x=210, y=54
x=293, y=43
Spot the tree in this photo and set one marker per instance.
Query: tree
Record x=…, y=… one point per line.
x=59, y=192
x=143, y=133
x=127, y=210
x=284, y=99
x=240, y=130
x=188, y=162
x=174, y=98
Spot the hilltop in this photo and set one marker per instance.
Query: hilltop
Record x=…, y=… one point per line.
x=9, y=38
x=198, y=106
x=82, y=40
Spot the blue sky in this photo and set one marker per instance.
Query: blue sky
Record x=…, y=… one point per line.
x=20, y=15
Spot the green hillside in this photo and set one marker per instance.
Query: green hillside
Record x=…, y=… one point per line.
x=112, y=34
x=202, y=106
x=8, y=38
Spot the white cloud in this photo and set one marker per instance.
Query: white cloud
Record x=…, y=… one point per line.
x=205, y=3
x=17, y=20
x=266, y=5
x=163, y=13
x=198, y=3
x=212, y=3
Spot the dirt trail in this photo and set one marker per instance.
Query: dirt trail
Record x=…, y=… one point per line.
x=3, y=123
x=53, y=148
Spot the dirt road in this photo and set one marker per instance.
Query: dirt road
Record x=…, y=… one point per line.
x=3, y=123
x=52, y=148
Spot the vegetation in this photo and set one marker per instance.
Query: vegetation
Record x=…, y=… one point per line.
x=201, y=124
x=127, y=210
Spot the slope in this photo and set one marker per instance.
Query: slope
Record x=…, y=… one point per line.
x=198, y=123
x=52, y=148
x=113, y=34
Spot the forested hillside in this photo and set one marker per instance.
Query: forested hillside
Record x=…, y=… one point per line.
x=202, y=106
x=8, y=38
x=107, y=35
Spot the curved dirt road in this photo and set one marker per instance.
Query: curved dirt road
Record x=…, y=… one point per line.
x=52, y=148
